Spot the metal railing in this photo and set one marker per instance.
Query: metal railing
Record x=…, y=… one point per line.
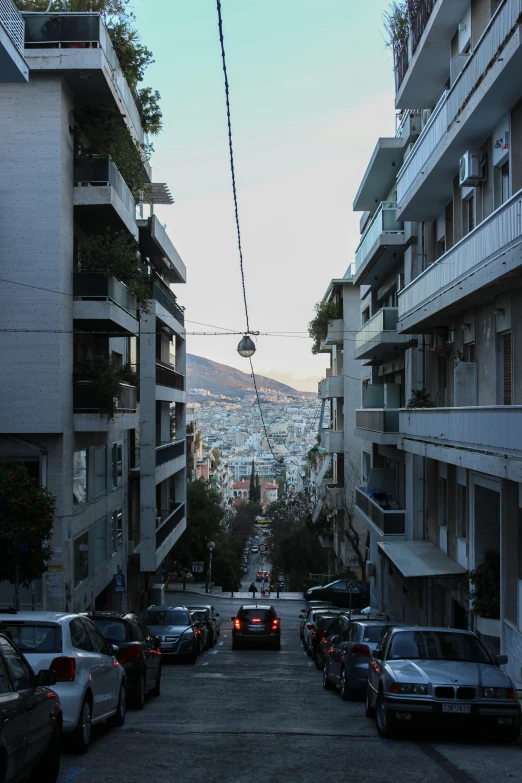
x=402, y=61
x=70, y=30
x=170, y=378
x=84, y=398
x=95, y=286
x=377, y=419
x=419, y=20
x=480, y=247
x=162, y=294
x=100, y=171
x=390, y=522
x=384, y=320
x=169, y=451
x=383, y=221
x=171, y=521
x=12, y=20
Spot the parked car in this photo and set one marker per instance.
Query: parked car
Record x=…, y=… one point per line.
x=138, y=652
x=321, y=628
x=336, y=628
x=443, y=676
x=201, y=630
x=309, y=626
x=256, y=625
x=304, y=613
x=91, y=684
x=340, y=593
x=347, y=658
x=214, y=617
x=175, y=628
x=254, y=549
x=30, y=719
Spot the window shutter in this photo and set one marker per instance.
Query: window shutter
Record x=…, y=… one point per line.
x=506, y=349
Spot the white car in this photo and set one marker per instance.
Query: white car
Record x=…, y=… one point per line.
x=254, y=549
x=90, y=683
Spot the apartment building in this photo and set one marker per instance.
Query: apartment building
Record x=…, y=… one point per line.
x=93, y=391
x=439, y=265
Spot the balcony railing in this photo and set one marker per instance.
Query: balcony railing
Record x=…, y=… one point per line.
x=99, y=171
x=384, y=320
x=391, y=522
x=85, y=401
x=100, y=287
x=81, y=31
x=402, y=60
x=377, y=419
x=479, y=248
x=169, y=451
x=162, y=294
x=419, y=20
x=382, y=222
x=13, y=22
x=170, y=378
x=170, y=520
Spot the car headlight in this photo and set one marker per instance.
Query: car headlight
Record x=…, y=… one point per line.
x=187, y=634
x=498, y=693
x=409, y=687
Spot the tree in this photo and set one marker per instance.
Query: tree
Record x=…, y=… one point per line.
x=26, y=524
x=346, y=519
x=252, y=487
x=257, y=498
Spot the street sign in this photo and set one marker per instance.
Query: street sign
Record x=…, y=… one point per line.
x=119, y=583
x=198, y=566
x=351, y=585
x=262, y=548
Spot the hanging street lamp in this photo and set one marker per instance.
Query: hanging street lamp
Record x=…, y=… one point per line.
x=246, y=347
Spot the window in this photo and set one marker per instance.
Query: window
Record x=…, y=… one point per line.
x=31, y=638
x=137, y=632
x=366, y=315
x=441, y=247
x=442, y=505
x=144, y=629
x=462, y=511
x=5, y=682
x=21, y=675
x=112, y=629
x=80, y=639
x=100, y=543
x=505, y=182
x=99, y=645
x=100, y=470
x=166, y=617
x=79, y=477
x=470, y=352
x=506, y=357
x=117, y=529
x=366, y=465
x=81, y=559
x=117, y=453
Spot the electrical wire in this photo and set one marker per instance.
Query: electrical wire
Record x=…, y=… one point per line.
x=280, y=460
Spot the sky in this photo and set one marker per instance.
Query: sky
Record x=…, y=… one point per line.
x=311, y=90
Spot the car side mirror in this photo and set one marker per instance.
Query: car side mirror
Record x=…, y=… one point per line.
x=333, y=639
x=113, y=649
x=500, y=660
x=46, y=678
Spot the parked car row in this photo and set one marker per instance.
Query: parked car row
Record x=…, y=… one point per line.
x=412, y=675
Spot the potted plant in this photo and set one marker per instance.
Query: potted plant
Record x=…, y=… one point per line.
x=485, y=593
x=325, y=313
x=420, y=398
x=98, y=380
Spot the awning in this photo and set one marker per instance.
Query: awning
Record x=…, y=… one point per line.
x=419, y=559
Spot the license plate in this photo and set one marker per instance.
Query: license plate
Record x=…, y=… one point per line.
x=466, y=708
x=256, y=627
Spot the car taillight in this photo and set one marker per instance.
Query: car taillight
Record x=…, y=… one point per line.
x=361, y=649
x=131, y=654
x=309, y=626
x=275, y=624
x=65, y=668
x=237, y=624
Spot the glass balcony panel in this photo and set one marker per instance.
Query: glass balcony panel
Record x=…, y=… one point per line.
x=389, y=521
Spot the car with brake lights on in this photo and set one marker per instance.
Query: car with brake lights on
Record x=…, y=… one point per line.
x=212, y=620
x=341, y=622
x=441, y=676
x=256, y=624
x=325, y=605
x=309, y=626
x=320, y=630
x=174, y=627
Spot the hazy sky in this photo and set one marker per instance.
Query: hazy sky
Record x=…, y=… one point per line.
x=311, y=86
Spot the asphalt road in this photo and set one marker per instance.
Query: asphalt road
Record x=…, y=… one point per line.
x=253, y=716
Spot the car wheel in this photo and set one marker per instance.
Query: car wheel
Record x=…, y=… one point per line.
x=370, y=710
x=327, y=685
x=118, y=719
x=157, y=688
x=81, y=735
x=385, y=722
x=308, y=650
x=138, y=701
x=199, y=649
x=347, y=693
x=318, y=661
x=49, y=766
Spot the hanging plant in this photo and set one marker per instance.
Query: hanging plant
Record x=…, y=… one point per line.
x=104, y=378
x=116, y=254
x=325, y=312
x=420, y=398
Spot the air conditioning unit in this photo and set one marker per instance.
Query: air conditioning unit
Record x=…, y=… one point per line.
x=471, y=170
x=370, y=568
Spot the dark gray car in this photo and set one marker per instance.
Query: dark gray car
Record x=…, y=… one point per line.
x=174, y=627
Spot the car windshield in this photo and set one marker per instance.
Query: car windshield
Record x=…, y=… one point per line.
x=373, y=633
x=324, y=622
x=256, y=614
x=165, y=617
x=113, y=629
x=30, y=637
x=437, y=646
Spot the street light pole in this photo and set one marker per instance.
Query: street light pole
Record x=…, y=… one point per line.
x=211, y=546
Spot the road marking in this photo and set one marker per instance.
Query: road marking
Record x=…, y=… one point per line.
x=205, y=663
x=220, y=643
x=213, y=652
x=456, y=773
x=225, y=635
x=72, y=773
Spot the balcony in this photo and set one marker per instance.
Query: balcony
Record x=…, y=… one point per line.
x=483, y=92
x=103, y=303
x=378, y=339
x=381, y=247
x=89, y=417
x=492, y=429
x=334, y=498
x=380, y=174
x=169, y=521
x=78, y=45
x=423, y=67
x=462, y=277
x=378, y=514
x=167, y=299
x=157, y=246
x=378, y=425
x=101, y=196
x=332, y=387
x=165, y=376
x=13, y=67
x=170, y=458
x=334, y=335
x=332, y=441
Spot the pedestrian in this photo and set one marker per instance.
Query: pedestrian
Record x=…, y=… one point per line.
x=252, y=589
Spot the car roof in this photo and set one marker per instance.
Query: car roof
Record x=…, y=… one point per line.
x=164, y=607
x=48, y=617
x=112, y=615
x=256, y=606
x=432, y=628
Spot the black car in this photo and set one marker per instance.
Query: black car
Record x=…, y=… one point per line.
x=256, y=625
x=138, y=653
x=342, y=592
x=30, y=720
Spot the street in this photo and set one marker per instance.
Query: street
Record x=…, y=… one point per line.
x=256, y=715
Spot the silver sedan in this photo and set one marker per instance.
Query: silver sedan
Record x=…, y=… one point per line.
x=443, y=676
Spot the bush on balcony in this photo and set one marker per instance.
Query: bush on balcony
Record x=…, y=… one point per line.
x=105, y=378
x=396, y=25
x=421, y=398
x=116, y=254
x=325, y=312
x=485, y=578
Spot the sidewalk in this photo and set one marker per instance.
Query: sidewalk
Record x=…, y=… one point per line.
x=198, y=588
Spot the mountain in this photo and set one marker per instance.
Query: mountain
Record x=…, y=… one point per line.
x=221, y=379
